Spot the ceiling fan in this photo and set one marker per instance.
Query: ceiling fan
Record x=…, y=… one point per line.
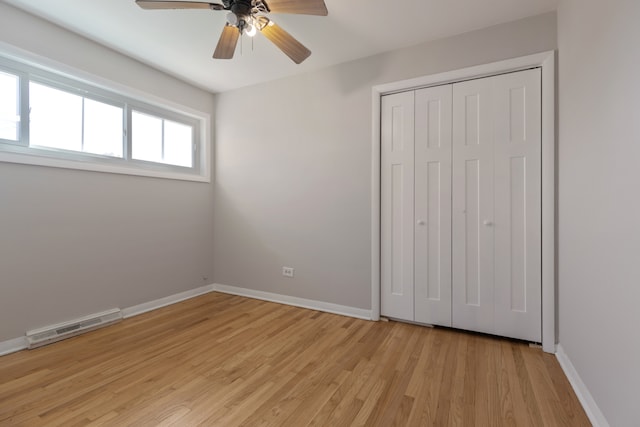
x=248, y=17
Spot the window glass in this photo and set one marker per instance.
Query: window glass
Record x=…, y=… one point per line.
x=178, y=148
x=103, y=124
x=70, y=122
x=163, y=141
x=9, y=107
x=146, y=138
x=56, y=118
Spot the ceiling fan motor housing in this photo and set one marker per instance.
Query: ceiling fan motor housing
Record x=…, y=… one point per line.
x=241, y=8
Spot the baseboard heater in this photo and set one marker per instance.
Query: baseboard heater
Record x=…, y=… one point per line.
x=50, y=334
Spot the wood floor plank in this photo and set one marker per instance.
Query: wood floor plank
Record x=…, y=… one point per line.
x=515, y=387
x=223, y=360
x=369, y=403
x=457, y=404
x=564, y=393
x=428, y=397
x=343, y=394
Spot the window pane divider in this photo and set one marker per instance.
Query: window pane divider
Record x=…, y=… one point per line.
x=127, y=152
x=25, y=110
x=82, y=127
x=162, y=147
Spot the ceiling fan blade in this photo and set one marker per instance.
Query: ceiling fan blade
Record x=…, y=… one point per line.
x=227, y=43
x=301, y=7
x=149, y=4
x=285, y=42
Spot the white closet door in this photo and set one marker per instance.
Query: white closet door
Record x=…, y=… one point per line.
x=397, y=174
x=497, y=205
x=517, y=158
x=473, y=258
x=432, y=249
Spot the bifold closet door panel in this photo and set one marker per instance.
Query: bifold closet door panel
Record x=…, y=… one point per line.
x=396, y=216
x=432, y=261
x=461, y=205
x=518, y=223
x=472, y=195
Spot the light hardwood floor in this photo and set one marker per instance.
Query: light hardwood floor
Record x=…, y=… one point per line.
x=221, y=360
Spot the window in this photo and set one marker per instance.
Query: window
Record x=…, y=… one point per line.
x=66, y=121
x=49, y=119
x=159, y=140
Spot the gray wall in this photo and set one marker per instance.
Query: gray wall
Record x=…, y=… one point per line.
x=293, y=168
x=73, y=242
x=599, y=219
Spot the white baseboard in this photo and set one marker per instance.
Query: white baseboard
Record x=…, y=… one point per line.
x=20, y=343
x=588, y=403
x=328, y=307
x=11, y=346
x=163, y=302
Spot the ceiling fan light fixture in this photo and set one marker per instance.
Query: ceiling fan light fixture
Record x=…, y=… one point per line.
x=250, y=30
x=260, y=21
x=232, y=19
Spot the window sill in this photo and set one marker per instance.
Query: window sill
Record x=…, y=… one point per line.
x=55, y=162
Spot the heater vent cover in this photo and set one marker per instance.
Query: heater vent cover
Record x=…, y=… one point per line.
x=49, y=334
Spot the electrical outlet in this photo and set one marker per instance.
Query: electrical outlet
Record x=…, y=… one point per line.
x=287, y=271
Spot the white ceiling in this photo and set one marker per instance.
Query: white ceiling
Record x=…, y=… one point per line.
x=181, y=42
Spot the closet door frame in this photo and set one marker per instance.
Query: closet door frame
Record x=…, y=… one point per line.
x=546, y=61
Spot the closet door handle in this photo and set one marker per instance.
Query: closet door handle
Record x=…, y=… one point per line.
x=421, y=222
x=487, y=223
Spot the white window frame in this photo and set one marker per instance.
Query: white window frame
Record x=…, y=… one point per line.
x=42, y=71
